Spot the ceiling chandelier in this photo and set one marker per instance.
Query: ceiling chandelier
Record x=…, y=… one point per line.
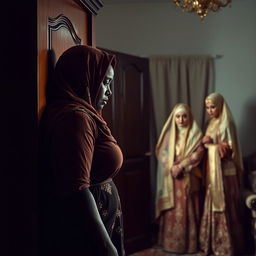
x=202, y=7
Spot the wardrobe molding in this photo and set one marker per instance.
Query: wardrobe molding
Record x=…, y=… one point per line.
x=92, y=5
x=61, y=21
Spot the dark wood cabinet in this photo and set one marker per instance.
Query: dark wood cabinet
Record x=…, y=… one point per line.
x=128, y=115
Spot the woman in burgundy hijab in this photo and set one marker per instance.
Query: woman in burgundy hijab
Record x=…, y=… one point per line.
x=80, y=206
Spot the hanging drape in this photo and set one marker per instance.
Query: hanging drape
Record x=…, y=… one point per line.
x=180, y=79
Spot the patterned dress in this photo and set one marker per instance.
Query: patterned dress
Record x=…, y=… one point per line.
x=179, y=227
x=108, y=203
x=221, y=231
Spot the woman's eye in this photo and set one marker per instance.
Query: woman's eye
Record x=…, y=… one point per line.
x=107, y=81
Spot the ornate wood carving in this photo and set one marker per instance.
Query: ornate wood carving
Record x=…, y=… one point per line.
x=58, y=22
x=92, y=5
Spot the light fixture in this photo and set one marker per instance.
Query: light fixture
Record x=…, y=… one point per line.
x=202, y=7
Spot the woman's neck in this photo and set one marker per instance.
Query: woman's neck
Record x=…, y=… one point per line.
x=181, y=129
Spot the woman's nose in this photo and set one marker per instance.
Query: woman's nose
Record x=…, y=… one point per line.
x=108, y=91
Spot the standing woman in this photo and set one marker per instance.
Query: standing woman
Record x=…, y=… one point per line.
x=221, y=230
x=179, y=151
x=80, y=207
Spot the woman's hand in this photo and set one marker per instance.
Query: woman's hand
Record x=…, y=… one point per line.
x=84, y=205
x=112, y=251
x=177, y=171
x=224, y=150
x=207, y=140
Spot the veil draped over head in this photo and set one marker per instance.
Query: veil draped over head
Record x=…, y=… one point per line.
x=78, y=75
x=222, y=130
x=165, y=152
x=227, y=130
x=79, y=71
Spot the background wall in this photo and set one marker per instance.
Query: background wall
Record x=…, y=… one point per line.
x=145, y=28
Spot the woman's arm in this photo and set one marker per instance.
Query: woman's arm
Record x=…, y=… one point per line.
x=224, y=150
x=91, y=221
x=193, y=160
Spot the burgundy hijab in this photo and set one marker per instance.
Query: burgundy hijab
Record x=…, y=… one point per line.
x=78, y=75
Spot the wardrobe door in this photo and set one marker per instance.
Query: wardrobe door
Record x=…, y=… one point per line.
x=128, y=115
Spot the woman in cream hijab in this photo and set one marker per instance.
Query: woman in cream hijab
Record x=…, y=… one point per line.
x=221, y=232
x=179, y=151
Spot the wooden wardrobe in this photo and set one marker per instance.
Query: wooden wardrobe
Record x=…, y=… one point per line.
x=30, y=29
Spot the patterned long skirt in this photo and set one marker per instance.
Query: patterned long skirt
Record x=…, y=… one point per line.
x=179, y=227
x=61, y=232
x=221, y=233
x=109, y=206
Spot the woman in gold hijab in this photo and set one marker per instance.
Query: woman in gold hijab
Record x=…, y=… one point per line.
x=179, y=151
x=221, y=232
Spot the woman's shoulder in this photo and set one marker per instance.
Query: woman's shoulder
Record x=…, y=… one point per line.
x=83, y=117
x=78, y=119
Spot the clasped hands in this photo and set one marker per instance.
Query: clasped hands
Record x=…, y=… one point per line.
x=177, y=171
x=223, y=148
x=207, y=140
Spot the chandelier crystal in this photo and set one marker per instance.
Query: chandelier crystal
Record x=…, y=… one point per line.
x=201, y=7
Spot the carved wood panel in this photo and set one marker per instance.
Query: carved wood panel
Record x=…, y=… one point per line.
x=61, y=21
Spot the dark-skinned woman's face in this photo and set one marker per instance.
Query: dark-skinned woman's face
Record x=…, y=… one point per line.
x=105, y=91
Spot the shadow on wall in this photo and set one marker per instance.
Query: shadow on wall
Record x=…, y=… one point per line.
x=248, y=128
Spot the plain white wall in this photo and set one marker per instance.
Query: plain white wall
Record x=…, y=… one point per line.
x=152, y=28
